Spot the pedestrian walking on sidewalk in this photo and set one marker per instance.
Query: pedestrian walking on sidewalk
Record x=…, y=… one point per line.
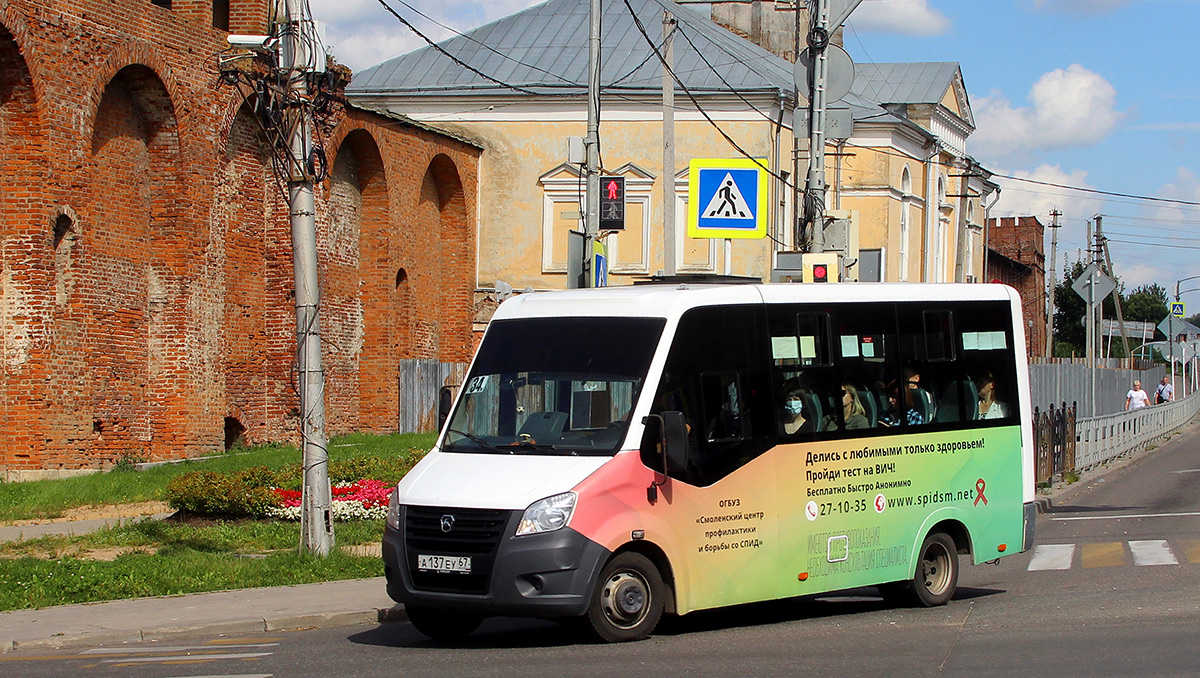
x=1165, y=393
x=1136, y=397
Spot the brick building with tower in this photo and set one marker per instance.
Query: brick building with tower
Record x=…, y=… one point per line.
x=1016, y=256
x=145, y=256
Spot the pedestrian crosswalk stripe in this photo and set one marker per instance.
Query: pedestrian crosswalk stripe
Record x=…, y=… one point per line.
x=1113, y=554
x=1052, y=557
x=1110, y=554
x=1152, y=552
x=1191, y=550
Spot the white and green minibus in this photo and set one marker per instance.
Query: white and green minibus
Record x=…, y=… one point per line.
x=620, y=454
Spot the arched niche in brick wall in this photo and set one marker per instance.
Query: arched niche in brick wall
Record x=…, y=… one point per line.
x=248, y=229
x=135, y=264
x=26, y=277
x=362, y=305
x=455, y=260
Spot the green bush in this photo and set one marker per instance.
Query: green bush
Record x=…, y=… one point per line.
x=243, y=494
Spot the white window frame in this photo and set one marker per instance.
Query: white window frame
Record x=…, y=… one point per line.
x=558, y=191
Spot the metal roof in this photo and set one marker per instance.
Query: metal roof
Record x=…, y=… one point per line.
x=905, y=83
x=544, y=49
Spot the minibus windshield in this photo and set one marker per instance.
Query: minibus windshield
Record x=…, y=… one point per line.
x=554, y=386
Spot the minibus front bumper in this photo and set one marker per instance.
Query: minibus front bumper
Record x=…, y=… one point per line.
x=538, y=575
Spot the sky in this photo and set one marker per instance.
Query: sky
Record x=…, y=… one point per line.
x=1095, y=94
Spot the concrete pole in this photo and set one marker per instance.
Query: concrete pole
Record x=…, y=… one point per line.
x=591, y=220
x=668, y=172
x=1054, y=215
x=316, y=521
x=814, y=195
x=1101, y=241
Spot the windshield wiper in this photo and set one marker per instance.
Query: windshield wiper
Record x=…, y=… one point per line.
x=473, y=438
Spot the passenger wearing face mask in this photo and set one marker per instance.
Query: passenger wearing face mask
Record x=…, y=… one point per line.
x=794, y=417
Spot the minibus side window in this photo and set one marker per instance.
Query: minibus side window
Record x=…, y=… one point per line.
x=986, y=361
x=715, y=376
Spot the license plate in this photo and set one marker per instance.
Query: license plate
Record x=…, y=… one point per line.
x=460, y=564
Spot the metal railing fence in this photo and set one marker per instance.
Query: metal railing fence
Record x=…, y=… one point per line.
x=1100, y=439
x=1065, y=381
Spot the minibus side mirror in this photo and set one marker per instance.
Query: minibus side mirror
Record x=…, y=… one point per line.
x=445, y=401
x=675, y=443
x=672, y=445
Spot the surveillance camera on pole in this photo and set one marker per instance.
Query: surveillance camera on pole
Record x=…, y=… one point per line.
x=254, y=43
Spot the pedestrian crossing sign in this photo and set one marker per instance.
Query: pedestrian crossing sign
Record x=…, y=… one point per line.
x=727, y=198
x=1177, y=309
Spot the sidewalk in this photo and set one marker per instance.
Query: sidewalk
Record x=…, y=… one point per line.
x=356, y=601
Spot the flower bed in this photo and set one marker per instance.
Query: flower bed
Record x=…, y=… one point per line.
x=365, y=499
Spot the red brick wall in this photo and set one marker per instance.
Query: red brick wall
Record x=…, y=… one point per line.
x=1020, y=239
x=145, y=255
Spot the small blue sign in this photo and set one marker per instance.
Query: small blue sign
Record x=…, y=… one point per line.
x=1177, y=309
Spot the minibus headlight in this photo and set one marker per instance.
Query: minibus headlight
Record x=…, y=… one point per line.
x=547, y=515
x=393, y=512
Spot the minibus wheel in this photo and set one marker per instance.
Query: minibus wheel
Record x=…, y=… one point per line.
x=936, y=577
x=628, y=601
x=443, y=624
x=937, y=571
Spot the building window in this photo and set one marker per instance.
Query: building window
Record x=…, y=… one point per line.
x=165, y=4
x=563, y=196
x=220, y=15
x=629, y=250
x=692, y=255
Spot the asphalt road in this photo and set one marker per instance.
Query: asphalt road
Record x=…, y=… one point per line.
x=1111, y=590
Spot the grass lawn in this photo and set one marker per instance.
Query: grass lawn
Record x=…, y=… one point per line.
x=42, y=499
x=158, y=558
x=174, y=556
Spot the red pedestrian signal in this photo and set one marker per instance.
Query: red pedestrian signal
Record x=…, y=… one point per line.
x=820, y=273
x=612, y=203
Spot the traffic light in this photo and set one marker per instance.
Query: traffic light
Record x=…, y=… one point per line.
x=612, y=203
x=820, y=273
x=820, y=268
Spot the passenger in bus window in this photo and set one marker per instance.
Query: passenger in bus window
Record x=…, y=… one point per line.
x=853, y=412
x=912, y=416
x=794, y=419
x=989, y=406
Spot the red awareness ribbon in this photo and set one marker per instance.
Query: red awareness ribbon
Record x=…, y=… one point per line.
x=979, y=486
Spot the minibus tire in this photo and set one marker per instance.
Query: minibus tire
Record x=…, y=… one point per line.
x=628, y=600
x=936, y=577
x=443, y=624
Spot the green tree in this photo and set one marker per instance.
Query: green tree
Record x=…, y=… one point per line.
x=1147, y=304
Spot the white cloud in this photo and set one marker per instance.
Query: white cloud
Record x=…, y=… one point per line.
x=908, y=17
x=1022, y=198
x=1069, y=108
x=1185, y=186
x=1083, y=7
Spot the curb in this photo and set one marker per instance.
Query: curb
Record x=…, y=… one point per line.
x=261, y=625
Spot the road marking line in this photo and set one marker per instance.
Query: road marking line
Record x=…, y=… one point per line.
x=1152, y=552
x=1132, y=515
x=1108, y=554
x=230, y=675
x=188, y=658
x=1052, y=557
x=172, y=648
x=1188, y=470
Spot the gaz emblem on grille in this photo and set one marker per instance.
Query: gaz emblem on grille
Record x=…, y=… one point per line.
x=447, y=523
